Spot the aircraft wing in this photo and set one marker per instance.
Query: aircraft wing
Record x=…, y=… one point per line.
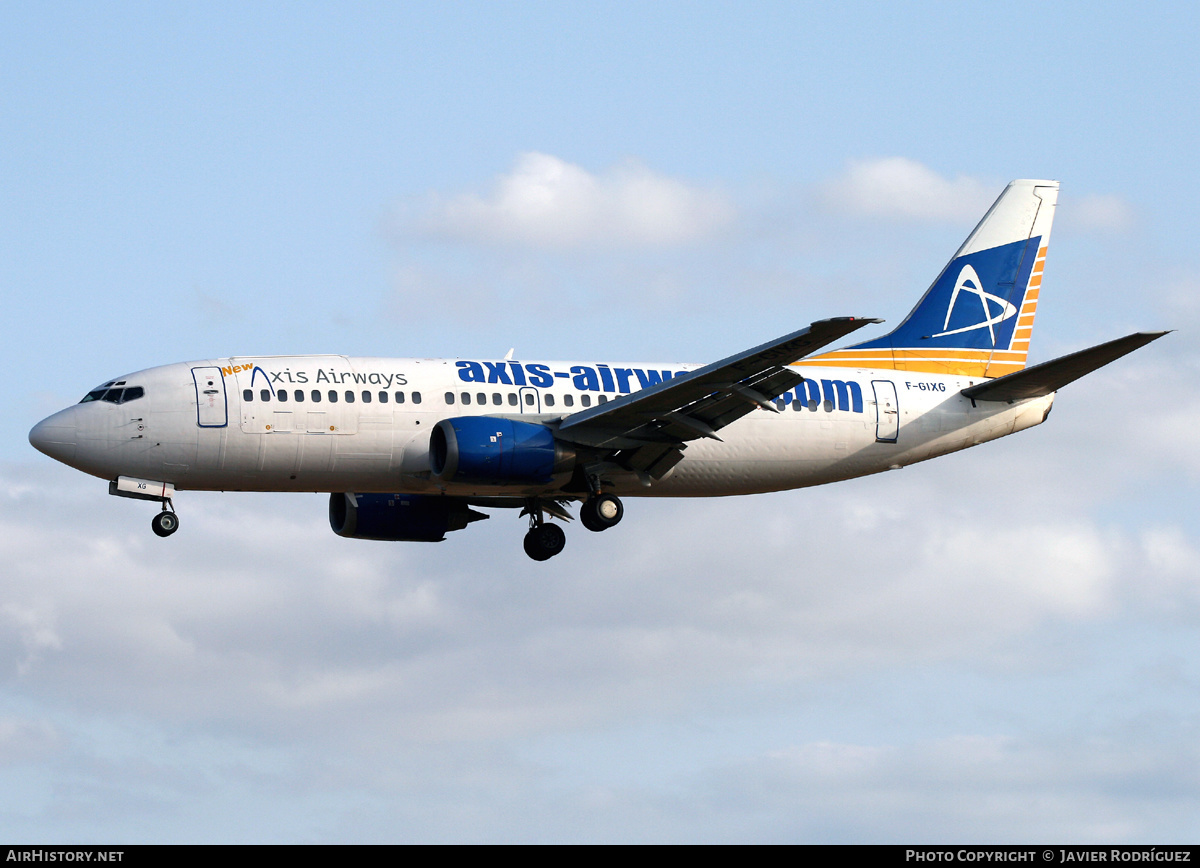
x=649, y=428
x=1051, y=376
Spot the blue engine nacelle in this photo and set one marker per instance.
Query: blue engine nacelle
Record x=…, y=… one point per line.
x=495, y=451
x=398, y=517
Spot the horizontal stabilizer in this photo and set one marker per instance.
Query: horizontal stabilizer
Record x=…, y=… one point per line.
x=1051, y=376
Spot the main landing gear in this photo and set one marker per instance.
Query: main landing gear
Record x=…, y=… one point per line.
x=601, y=511
x=166, y=522
x=544, y=540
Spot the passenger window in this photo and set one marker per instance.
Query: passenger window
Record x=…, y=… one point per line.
x=399, y=397
x=512, y=399
x=316, y=396
x=829, y=406
x=481, y=398
x=332, y=396
x=585, y=400
x=382, y=397
x=449, y=397
x=349, y=397
x=529, y=399
x=299, y=396
x=549, y=399
x=264, y=394
x=466, y=398
x=603, y=399
x=569, y=400
x=281, y=395
x=366, y=396
x=247, y=395
x=497, y=399
x=416, y=397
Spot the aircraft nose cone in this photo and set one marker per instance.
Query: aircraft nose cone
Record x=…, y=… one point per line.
x=54, y=436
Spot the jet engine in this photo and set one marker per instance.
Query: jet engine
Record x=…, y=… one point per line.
x=398, y=517
x=493, y=451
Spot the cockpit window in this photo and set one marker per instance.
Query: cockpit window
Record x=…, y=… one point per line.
x=114, y=396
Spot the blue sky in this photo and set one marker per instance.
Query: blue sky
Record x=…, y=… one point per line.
x=998, y=646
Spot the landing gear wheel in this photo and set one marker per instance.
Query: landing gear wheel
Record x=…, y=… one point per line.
x=544, y=541
x=588, y=517
x=165, y=523
x=601, y=512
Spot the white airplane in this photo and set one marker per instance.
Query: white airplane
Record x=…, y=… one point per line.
x=409, y=448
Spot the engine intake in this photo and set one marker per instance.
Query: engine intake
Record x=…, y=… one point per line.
x=496, y=451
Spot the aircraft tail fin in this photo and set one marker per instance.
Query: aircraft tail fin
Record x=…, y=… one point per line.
x=977, y=317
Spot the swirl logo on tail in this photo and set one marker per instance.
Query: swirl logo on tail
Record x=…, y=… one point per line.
x=968, y=281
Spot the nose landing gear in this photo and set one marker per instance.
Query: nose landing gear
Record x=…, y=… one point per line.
x=166, y=522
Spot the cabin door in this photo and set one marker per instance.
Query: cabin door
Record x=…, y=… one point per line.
x=887, y=411
x=212, y=409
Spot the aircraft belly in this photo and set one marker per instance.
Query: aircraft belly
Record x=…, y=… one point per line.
x=775, y=454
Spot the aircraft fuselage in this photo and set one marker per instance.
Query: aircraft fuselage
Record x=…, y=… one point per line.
x=338, y=424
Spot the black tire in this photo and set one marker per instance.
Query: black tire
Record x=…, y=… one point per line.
x=588, y=517
x=545, y=541
x=601, y=512
x=165, y=523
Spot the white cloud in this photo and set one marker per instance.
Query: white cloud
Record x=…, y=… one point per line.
x=34, y=624
x=983, y=788
x=1160, y=411
x=897, y=187
x=547, y=202
x=22, y=739
x=409, y=679
x=284, y=615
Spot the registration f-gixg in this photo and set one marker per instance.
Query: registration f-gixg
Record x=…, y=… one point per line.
x=411, y=449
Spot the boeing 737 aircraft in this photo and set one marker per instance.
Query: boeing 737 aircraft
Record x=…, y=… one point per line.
x=411, y=449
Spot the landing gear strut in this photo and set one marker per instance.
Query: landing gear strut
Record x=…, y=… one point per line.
x=166, y=522
x=601, y=511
